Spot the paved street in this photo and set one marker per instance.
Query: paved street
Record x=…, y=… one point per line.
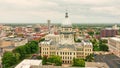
x=112, y=60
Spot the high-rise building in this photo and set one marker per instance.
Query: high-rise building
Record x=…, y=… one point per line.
x=37, y=28
x=49, y=21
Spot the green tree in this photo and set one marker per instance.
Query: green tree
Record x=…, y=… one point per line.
x=103, y=47
x=89, y=58
x=21, y=50
x=78, y=40
x=96, y=48
x=103, y=41
x=91, y=33
x=78, y=62
x=44, y=60
x=56, y=60
x=33, y=46
x=19, y=53
x=95, y=44
x=17, y=56
x=39, y=57
x=8, y=59
x=97, y=33
x=27, y=48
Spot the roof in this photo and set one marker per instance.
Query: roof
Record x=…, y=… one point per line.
x=18, y=39
x=25, y=66
x=115, y=38
x=46, y=42
x=52, y=35
x=5, y=43
x=72, y=47
x=28, y=62
x=66, y=22
x=86, y=42
x=110, y=29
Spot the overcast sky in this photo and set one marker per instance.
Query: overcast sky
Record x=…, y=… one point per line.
x=39, y=11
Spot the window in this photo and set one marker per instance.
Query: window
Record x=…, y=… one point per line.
x=65, y=57
x=70, y=57
x=63, y=53
x=74, y=53
x=66, y=36
x=66, y=29
x=60, y=53
x=70, y=53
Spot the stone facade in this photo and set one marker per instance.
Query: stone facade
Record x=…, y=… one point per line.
x=64, y=45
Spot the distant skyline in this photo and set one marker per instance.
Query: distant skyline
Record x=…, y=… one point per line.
x=39, y=11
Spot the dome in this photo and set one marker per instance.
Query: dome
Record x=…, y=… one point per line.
x=66, y=22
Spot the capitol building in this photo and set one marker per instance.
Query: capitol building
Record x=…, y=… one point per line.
x=64, y=45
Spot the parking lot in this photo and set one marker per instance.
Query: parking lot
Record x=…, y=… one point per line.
x=110, y=59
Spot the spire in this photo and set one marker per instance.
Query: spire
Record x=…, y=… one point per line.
x=66, y=14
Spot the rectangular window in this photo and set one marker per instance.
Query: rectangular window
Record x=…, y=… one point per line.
x=74, y=53
x=65, y=57
x=60, y=53
x=66, y=29
x=66, y=36
x=65, y=53
x=70, y=57
x=70, y=53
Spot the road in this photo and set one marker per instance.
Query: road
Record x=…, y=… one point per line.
x=110, y=59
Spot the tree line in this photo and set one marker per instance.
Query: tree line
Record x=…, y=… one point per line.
x=19, y=53
x=99, y=45
x=57, y=61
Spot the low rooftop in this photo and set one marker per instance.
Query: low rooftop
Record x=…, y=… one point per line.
x=27, y=63
x=115, y=38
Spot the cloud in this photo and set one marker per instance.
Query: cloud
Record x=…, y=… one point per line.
x=80, y=11
x=108, y=10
